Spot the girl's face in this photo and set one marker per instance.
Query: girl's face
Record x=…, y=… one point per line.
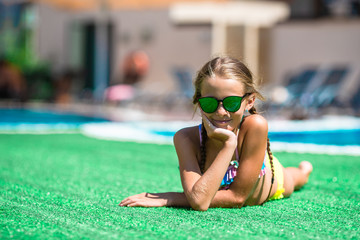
x=220, y=88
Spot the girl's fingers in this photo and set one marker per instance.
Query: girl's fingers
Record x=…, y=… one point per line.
x=207, y=123
x=135, y=204
x=130, y=201
x=215, y=132
x=126, y=201
x=142, y=200
x=206, y=120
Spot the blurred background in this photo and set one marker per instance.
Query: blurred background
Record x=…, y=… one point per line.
x=113, y=56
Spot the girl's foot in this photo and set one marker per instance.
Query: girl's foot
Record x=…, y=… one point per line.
x=306, y=167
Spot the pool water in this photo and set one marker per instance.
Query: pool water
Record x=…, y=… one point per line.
x=12, y=118
x=334, y=137
x=327, y=136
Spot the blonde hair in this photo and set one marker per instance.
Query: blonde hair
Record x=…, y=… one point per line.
x=229, y=68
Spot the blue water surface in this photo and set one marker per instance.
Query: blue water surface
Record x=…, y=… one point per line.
x=15, y=117
x=334, y=137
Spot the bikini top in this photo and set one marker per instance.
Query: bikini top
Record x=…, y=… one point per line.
x=232, y=169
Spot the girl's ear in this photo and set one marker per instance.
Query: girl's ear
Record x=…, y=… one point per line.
x=250, y=101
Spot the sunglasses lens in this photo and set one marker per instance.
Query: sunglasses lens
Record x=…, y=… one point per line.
x=232, y=104
x=208, y=104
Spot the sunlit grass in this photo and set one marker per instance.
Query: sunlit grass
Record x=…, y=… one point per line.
x=69, y=186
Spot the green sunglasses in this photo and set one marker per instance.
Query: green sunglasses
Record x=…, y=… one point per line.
x=231, y=103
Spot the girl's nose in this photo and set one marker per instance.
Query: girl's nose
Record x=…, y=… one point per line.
x=221, y=110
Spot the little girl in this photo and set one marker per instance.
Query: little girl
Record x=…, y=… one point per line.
x=226, y=161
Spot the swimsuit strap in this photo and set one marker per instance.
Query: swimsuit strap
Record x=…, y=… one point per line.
x=200, y=133
x=237, y=154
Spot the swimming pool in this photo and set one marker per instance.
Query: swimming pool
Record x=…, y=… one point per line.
x=332, y=135
x=33, y=119
x=336, y=137
x=329, y=134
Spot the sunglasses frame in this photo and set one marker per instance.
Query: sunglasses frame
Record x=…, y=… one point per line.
x=222, y=101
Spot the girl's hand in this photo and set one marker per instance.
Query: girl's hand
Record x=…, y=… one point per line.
x=144, y=200
x=220, y=134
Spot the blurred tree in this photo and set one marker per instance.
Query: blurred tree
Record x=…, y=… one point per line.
x=16, y=49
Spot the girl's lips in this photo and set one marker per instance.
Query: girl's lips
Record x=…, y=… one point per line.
x=220, y=122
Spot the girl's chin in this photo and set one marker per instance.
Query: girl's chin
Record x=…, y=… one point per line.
x=224, y=126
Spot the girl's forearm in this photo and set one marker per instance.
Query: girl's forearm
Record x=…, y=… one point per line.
x=227, y=199
x=222, y=199
x=208, y=184
x=176, y=199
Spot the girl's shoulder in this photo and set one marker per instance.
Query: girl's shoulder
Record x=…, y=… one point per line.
x=188, y=134
x=253, y=134
x=255, y=123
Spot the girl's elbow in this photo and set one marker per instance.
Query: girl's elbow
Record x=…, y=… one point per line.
x=239, y=202
x=198, y=204
x=200, y=207
x=235, y=200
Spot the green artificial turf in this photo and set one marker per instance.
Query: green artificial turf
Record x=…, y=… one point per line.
x=69, y=186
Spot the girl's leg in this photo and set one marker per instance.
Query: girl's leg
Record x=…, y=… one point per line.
x=295, y=178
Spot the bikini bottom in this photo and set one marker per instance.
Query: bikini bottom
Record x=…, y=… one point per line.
x=279, y=175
